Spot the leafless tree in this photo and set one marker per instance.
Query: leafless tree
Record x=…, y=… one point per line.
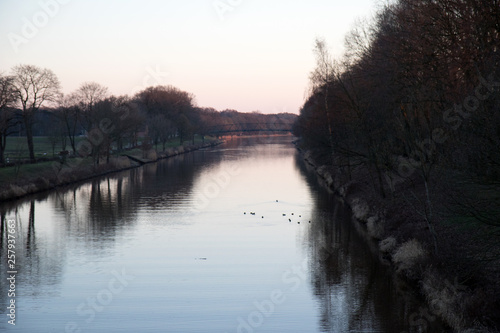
x=320, y=78
x=7, y=99
x=87, y=96
x=34, y=86
x=69, y=113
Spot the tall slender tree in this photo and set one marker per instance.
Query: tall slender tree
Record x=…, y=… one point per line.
x=33, y=87
x=7, y=99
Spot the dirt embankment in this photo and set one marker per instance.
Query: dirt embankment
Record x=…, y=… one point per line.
x=402, y=241
x=54, y=174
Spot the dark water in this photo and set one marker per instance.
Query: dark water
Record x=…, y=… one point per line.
x=168, y=248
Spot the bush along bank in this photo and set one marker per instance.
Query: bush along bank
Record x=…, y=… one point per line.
x=19, y=181
x=461, y=292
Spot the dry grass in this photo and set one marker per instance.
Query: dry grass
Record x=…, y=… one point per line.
x=360, y=209
x=467, y=251
x=408, y=257
x=151, y=155
x=120, y=162
x=375, y=227
x=446, y=299
x=388, y=245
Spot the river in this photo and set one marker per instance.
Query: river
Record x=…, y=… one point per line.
x=237, y=238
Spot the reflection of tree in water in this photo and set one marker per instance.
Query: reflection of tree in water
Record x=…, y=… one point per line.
x=93, y=213
x=166, y=185
x=343, y=273
x=97, y=209
x=107, y=207
x=355, y=291
x=38, y=262
x=100, y=208
x=30, y=238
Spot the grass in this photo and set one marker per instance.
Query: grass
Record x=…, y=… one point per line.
x=407, y=257
x=32, y=171
x=17, y=147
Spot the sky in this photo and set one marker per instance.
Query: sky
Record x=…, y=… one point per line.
x=246, y=55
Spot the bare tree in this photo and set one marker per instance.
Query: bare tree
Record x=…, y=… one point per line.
x=87, y=96
x=69, y=112
x=320, y=78
x=7, y=99
x=34, y=86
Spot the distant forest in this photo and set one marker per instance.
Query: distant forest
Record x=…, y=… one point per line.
x=153, y=116
x=417, y=90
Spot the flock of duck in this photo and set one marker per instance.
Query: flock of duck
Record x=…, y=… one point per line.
x=284, y=214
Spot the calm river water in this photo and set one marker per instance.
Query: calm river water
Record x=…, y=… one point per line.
x=209, y=241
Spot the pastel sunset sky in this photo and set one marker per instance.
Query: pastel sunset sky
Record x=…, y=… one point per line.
x=247, y=55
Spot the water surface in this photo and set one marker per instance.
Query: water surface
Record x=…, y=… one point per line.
x=233, y=239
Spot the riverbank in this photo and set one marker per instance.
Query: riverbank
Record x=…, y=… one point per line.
x=25, y=179
x=461, y=292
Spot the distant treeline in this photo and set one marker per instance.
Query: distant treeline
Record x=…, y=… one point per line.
x=153, y=116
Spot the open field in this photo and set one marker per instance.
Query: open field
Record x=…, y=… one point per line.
x=17, y=147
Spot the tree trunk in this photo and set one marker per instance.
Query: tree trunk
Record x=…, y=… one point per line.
x=3, y=144
x=428, y=214
x=29, y=137
x=71, y=136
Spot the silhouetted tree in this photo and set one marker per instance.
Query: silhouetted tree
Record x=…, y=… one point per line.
x=7, y=114
x=33, y=86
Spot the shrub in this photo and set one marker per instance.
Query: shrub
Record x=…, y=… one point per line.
x=445, y=299
x=388, y=245
x=408, y=257
x=359, y=209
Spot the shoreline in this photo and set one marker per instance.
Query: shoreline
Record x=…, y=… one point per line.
x=74, y=171
x=410, y=260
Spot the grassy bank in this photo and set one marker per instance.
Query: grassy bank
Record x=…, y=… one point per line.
x=459, y=281
x=17, y=147
x=23, y=179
